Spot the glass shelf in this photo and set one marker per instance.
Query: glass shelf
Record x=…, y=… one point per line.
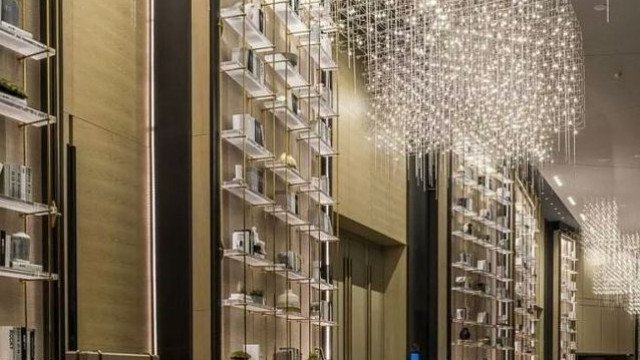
x=290, y=119
x=472, y=344
x=464, y=211
x=251, y=260
x=313, y=98
x=473, y=323
x=285, y=70
x=22, y=42
x=475, y=293
x=316, y=143
x=321, y=285
x=240, y=189
x=324, y=323
x=318, y=53
x=236, y=19
x=249, y=306
x=23, y=207
x=254, y=87
x=251, y=148
x=288, y=174
x=291, y=315
x=285, y=216
x=317, y=195
x=19, y=111
x=12, y=273
x=288, y=16
x=319, y=234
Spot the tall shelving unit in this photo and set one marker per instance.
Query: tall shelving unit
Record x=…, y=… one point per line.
x=568, y=290
x=528, y=311
x=278, y=203
x=29, y=139
x=481, y=259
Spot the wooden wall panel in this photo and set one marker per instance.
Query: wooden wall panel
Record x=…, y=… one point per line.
x=106, y=90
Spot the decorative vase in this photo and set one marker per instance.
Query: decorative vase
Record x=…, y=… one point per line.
x=465, y=334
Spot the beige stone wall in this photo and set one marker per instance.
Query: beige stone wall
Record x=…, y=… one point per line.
x=105, y=85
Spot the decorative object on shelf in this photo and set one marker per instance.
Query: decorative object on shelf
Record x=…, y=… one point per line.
x=15, y=181
x=253, y=350
x=503, y=193
x=467, y=228
x=17, y=343
x=462, y=282
x=248, y=241
x=251, y=61
x=239, y=355
x=322, y=129
x=290, y=260
x=321, y=310
x=461, y=314
x=255, y=15
x=252, y=128
x=483, y=265
x=289, y=160
x=255, y=179
x=465, y=334
x=486, y=214
x=482, y=317
x=288, y=200
x=288, y=354
x=257, y=297
x=13, y=90
x=11, y=12
x=466, y=258
x=313, y=356
x=466, y=203
x=319, y=271
x=321, y=183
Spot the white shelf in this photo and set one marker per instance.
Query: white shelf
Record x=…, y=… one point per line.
x=286, y=15
x=464, y=211
x=237, y=20
x=251, y=148
x=316, y=143
x=319, y=54
x=23, y=207
x=317, y=195
x=251, y=260
x=249, y=306
x=290, y=119
x=321, y=285
x=285, y=70
x=241, y=190
x=19, y=42
x=319, y=234
x=291, y=315
x=12, y=273
x=254, y=87
x=317, y=103
x=324, y=323
x=288, y=174
x=17, y=110
x=285, y=216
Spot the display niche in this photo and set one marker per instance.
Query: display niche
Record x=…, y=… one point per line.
x=528, y=312
x=27, y=128
x=481, y=259
x=277, y=128
x=568, y=291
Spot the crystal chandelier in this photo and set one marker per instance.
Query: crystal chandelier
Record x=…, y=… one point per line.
x=504, y=78
x=614, y=257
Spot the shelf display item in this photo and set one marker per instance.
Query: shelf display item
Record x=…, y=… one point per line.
x=252, y=128
x=461, y=314
x=17, y=343
x=321, y=220
x=467, y=228
x=288, y=354
x=253, y=178
x=465, y=203
x=251, y=61
x=465, y=334
x=248, y=241
x=254, y=351
x=321, y=183
x=10, y=89
x=288, y=200
x=323, y=130
x=289, y=302
x=290, y=260
x=255, y=15
x=15, y=182
x=257, y=297
x=11, y=12
x=321, y=310
x=240, y=355
x=481, y=317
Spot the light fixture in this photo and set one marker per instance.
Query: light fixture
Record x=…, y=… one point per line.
x=572, y=201
x=557, y=180
x=502, y=80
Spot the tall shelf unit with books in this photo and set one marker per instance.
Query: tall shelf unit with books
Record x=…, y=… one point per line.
x=481, y=259
x=528, y=311
x=27, y=206
x=568, y=291
x=278, y=146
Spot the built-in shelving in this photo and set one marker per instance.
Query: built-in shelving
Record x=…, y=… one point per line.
x=568, y=292
x=235, y=18
x=22, y=43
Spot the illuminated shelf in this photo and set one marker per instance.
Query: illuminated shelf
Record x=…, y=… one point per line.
x=290, y=119
x=318, y=234
x=464, y=211
x=287, y=173
x=22, y=43
x=318, y=54
x=281, y=269
x=23, y=207
x=317, y=195
x=291, y=315
x=472, y=270
x=250, y=147
x=314, y=99
x=18, y=111
x=321, y=285
x=7, y=272
x=237, y=20
x=288, y=16
x=316, y=143
x=324, y=323
x=243, y=257
x=285, y=216
x=472, y=344
x=285, y=70
x=249, y=306
x=251, y=84
x=476, y=293
x=241, y=190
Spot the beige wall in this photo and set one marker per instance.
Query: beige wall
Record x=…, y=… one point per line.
x=371, y=187
x=105, y=58
x=602, y=327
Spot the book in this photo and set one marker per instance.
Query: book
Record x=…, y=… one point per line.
x=6, y=343
x=5, y=246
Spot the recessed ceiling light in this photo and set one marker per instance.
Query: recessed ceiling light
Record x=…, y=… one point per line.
x=600, y=7
x=556, y=178
x=572, y=201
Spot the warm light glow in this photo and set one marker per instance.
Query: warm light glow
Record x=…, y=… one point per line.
x=557, y=180
x=572, y=201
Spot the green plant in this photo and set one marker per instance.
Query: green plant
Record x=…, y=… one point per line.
x=12, y=89
x=240, y=355
x=313, y=356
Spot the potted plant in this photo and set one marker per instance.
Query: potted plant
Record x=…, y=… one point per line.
x=313, y=356
x=240, y=355
x=12, y=89
x=257, y=297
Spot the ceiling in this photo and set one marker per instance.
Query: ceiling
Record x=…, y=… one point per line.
x=608, y=149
